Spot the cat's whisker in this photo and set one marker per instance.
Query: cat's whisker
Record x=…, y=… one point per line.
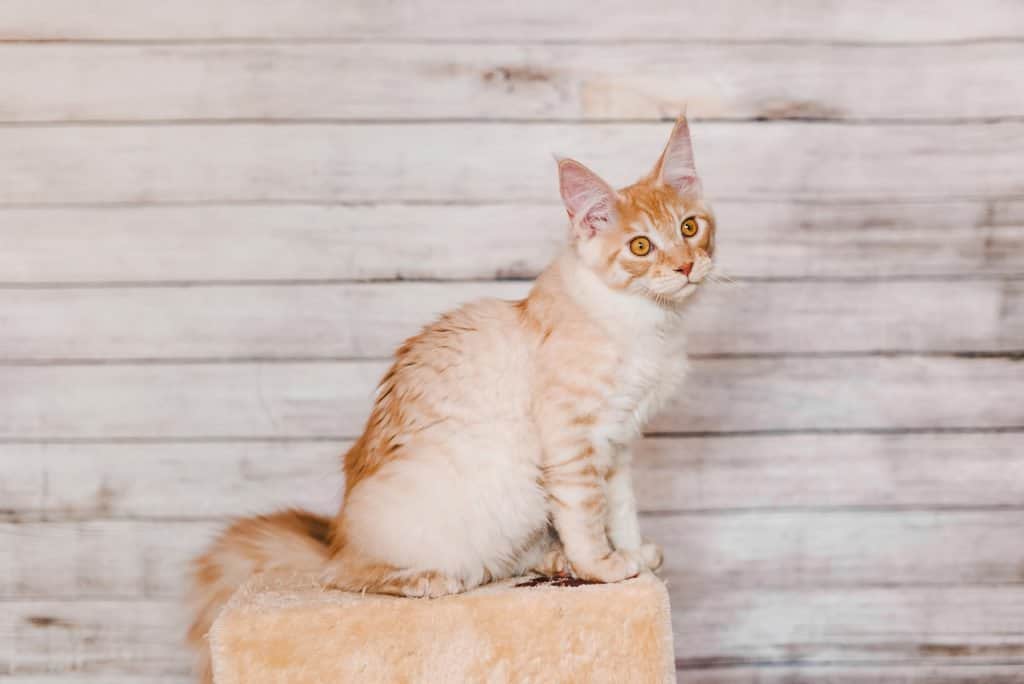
x=717, y=279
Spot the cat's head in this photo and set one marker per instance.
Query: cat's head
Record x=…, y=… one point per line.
x=654, y=238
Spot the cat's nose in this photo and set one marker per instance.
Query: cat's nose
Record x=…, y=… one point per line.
x=686, y=268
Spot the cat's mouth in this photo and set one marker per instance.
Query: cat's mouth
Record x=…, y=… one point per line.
x=676, y=289
x=688, y=279
x=686, y=282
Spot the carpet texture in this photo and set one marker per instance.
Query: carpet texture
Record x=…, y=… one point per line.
x=285, y=629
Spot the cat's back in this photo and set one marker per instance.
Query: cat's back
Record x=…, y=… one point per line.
x=450, y=440
x=483, y=330
x=473, y=357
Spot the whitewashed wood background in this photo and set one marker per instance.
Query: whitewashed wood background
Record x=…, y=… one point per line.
x=218, y=217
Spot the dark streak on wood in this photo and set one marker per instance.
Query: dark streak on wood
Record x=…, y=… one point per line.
x=800, y=109
x=106, y=497
x=968, y=650
x=46, y=621
x=14, y=516
x=511, y=75
x=797, y=655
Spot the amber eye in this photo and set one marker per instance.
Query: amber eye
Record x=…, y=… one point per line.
x=689, y=227
x=640, y=246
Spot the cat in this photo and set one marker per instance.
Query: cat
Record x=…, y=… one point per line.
x=499, y=440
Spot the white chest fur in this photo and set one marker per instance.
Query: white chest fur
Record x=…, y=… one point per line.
x=652, y=366
x=650, y=345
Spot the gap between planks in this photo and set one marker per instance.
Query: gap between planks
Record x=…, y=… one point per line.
x=16, y=517
x=302, y=282
x=872, y=21
x=665, y=434
x=913, y=122
x=186, y=122
x=1009, y=355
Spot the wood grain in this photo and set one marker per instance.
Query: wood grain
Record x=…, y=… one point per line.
x=332, y=399
x=71, y=676
x=661, y=20
x=191, y=191
x=382, y=242
x=928, y=626
x=528, y=82
x=371, y=320
x=93, y=637
x=1011, y=211
x=168, y=481
x=834, y=626
x=442, y=162
x=711, y=552
x=179, y=481
x=863, y=673
x=107, y=560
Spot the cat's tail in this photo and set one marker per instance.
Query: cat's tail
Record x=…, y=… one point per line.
x=287, y=540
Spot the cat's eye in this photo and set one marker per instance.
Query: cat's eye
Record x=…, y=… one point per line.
x=640, y=246
x=689, y=227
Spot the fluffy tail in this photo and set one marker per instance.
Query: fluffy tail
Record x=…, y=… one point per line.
x=286, y=540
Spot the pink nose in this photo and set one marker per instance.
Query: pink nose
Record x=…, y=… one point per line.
x=686, y=268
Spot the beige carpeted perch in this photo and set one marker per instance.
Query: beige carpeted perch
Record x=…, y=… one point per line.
x=288, y=630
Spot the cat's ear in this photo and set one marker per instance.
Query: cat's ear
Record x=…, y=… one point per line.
x=588, y=199
x=675, y=167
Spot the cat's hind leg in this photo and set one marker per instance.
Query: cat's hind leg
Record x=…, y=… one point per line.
x=428, y=584
x=554, y=562
x=546, y=557
x=349, y=574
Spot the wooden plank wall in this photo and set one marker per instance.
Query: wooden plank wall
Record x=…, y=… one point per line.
x=218, y=217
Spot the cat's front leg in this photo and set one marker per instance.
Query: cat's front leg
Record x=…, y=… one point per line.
x=579, y=511
x=623, y=522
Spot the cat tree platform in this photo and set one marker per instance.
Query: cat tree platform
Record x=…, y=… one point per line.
x=286, y=629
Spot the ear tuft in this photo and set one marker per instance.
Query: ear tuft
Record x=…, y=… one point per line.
x=589, y=201
x=676, y=167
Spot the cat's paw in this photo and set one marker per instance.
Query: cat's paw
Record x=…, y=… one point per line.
x=432, y=585
x=650, y=555
x=553, y=563
x=330, y=577
x=614, y=567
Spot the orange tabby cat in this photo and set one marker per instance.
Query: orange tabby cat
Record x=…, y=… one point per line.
x=499, y=441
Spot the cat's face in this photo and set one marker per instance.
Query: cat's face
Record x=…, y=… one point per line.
x=654, y=238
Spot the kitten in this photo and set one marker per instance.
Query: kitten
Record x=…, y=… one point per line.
x=499, y=441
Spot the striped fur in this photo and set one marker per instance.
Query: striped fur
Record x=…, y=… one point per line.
x=498, y=441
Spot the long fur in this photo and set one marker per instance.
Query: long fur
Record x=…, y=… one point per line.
x=289, y=539
x=499, y=439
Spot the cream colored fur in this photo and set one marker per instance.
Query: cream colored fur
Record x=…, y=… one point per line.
x=499, y=441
